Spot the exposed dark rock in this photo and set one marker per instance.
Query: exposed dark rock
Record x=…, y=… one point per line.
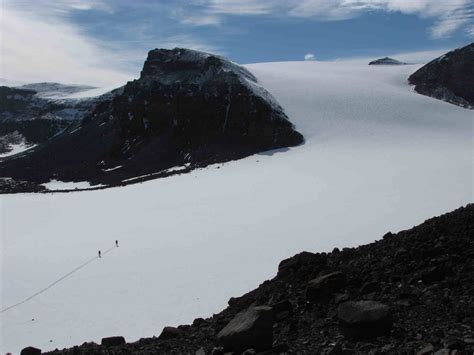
x=325, y=285
x=364, y=319
x=188, y=109
x=386, y=61
x=30, y=351
x=438, y=314
x=113, y=341
x=251, y=328
x=170, y=333
x=449, y=78
x=34, y=113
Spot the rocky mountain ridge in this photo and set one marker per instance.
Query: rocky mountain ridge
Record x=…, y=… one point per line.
x=449, y=78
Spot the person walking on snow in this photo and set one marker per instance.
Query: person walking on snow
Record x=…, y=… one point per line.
x=116, y=243
x=99, y=254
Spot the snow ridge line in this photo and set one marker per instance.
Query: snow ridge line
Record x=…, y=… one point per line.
x=57, y=281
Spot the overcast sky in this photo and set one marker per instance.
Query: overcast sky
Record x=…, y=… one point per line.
x=104, y=42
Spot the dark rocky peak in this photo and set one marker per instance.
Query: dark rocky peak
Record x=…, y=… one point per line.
x=449, y=78
x=386, y=61
x=170, y=66
x=187, y=110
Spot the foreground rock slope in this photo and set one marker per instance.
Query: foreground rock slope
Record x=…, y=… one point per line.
x=449, y=78
x=408, y=293
x=188, y=109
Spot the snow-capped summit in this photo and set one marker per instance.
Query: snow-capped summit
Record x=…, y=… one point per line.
x=386, y=61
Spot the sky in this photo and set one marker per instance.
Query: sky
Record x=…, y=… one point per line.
x=105, y=42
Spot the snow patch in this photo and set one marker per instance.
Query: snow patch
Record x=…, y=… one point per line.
x=56, y=185
x=17, y=148
x=114, y=168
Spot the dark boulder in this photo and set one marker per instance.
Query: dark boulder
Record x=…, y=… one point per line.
x=364, y=319
x=449, y=78
x=113, y=341
x=170, y=333
x=251, y=328
x=30, y=351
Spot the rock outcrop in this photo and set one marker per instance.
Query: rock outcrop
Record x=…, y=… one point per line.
x=408, y=293
x=364, y=319
x=113, y=341
x=188, y=109
x=449, y=78
x=30, y=350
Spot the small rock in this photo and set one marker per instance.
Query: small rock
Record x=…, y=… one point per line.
x=325, y=285
x=428, y=349
x=341, y=297
x=280, y=348
x=198, y=321
x=170, y=333
x=370, y=287
x=454, y=344
x=251, y=328
x=443, y=352
x=282, y=310
x=200, y=351
x=364, y=319
x=217, y=351
x=436, y=273
x=30, y=351
x=113, y=341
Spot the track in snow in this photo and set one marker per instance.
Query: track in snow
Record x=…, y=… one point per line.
x=57, y=281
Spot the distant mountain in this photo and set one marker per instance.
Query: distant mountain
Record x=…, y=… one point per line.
x=386, y=61
x=33, y=113
x=55, y=90
x=188, y=109
x=449, y=78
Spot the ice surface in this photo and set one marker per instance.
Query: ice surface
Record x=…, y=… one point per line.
x=378, y=157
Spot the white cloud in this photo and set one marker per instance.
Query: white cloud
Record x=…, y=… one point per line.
x=37, y=50
x=39, y=43
x=239, y=7
x=450, y=15
x=470, y=31
x=309, y=57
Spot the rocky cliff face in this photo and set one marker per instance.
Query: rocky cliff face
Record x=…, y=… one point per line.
x=449, y=78
x=408, y=293
x=188, y=109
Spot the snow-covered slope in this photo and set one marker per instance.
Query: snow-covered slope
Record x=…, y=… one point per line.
x=377, y=157
x=57, y=90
